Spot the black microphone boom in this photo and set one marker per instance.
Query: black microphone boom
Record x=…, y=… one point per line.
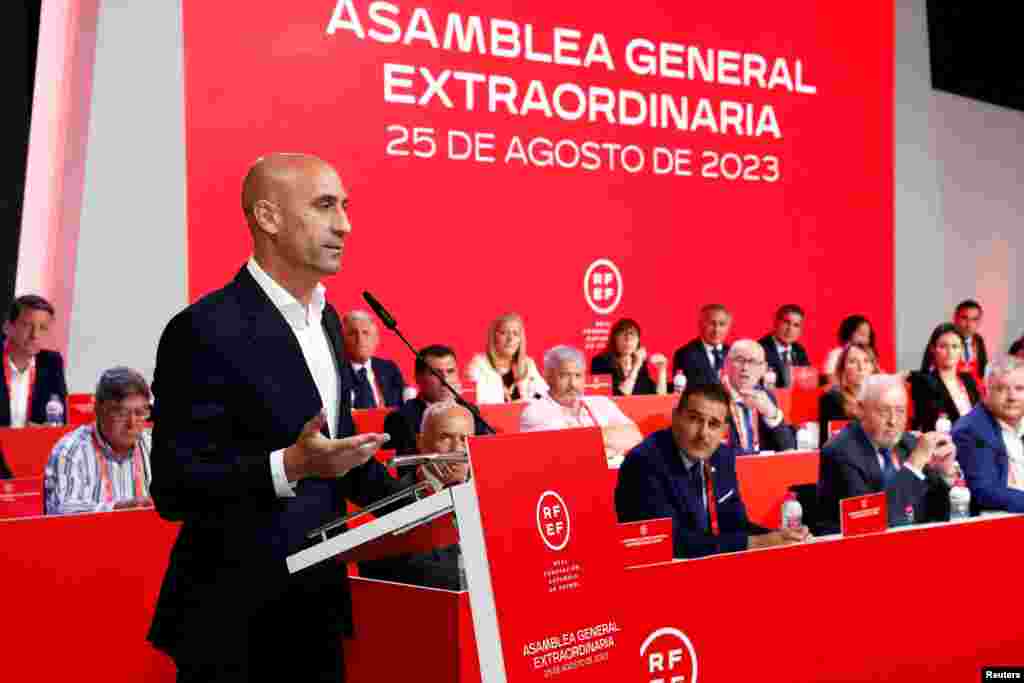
x=390, y=323
x=381, y=312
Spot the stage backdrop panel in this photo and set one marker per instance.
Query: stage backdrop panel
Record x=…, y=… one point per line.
x=576, y=162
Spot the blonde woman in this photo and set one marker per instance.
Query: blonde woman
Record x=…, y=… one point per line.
x=856, y=363
x=505, y=373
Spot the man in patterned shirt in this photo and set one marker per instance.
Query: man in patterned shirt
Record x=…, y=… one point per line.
x=105, y=465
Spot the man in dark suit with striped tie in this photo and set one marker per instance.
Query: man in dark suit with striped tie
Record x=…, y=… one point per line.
x=782, y=351
x=377, y=382
x=876, y=454
x=702, y=359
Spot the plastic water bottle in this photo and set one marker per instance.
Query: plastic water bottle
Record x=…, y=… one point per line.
x=54, y=411
x=943, y=424
x=908, y=514
x=769, y=379
x=807, y=437
x=679, y=382
x=792, y=512
x=959, y=501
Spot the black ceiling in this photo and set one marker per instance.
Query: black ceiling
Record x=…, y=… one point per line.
x=976, y=51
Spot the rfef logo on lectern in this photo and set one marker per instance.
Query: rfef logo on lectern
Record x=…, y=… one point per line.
x=669, y=657
x=553, y=520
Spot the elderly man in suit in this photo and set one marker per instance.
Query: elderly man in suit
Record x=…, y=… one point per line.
x=252, y=445
x=377, y=381
x=702, y=359
x=877, y=454
x=782, y=351
x=989, y=440
x=686, y=473
x=756, y=423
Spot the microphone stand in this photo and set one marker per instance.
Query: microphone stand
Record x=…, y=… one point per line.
x=390, y=323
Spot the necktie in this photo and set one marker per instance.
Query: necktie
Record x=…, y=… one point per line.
x=364, y=392
x=786, y=363
x=748, y=425
x=888, y=471
x=712, y=505
x=717, y=351
x=967, y=351
x=697, y=480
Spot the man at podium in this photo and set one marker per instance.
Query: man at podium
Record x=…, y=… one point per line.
x=252, y=445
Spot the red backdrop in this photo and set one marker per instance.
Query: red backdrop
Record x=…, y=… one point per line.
x=449, y=244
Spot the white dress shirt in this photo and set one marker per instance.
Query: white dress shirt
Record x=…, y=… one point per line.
x=595, y=411
x=19, y=392
x=1015, y=451
x=305, y=323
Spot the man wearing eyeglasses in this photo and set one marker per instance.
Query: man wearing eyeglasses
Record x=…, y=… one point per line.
x=876, y=454
x=756, y=422
x=104, y=466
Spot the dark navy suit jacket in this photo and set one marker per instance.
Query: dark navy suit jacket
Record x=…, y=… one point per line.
x=849, y=467
x=232, y=387
x=653, y=482
x=49, y=381
x=797, y=358
x=693, y=360
x=389, y=378
x=984, y=461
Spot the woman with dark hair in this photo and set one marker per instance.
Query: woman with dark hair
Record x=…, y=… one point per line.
x=855, y=329
x=626, y=361
x=856, y=363
x=939, y=388
x=1017, y=348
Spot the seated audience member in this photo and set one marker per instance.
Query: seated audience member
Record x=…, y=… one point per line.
x=877, y=454
x=702, y=359
x=988, y=440
x=378, y=382
x=756, y=422
x=5, y=471
x=445, y=428
x=782, y=351
x=1017, y=348
x=504, y=373
x=687, y=473
x=105, y=465
x=566, y=406
x=939, y=388
x=967, y=318
x=626, y=361
x=854, y=329
x=856, y=363
x=404, y=424
x=31, y=375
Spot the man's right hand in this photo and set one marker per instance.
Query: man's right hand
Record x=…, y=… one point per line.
x=779, y=537
x=315, y=455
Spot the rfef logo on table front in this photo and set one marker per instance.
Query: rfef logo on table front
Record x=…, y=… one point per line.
x=602, y=286
x=553, y=520
x=669, y=657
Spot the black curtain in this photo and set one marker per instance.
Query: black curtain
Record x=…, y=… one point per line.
x=20, y=43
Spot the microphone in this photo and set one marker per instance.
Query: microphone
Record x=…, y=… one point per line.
x=381, y=312
x=390, y=323
x=427, y=458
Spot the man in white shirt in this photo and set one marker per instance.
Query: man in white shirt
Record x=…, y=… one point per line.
x=378, y=382
x=252, y=447
x=33, y=376
x=989, y=440
x=105, y=465
x=566, y=407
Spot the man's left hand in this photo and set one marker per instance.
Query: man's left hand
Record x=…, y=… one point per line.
x=759, y=401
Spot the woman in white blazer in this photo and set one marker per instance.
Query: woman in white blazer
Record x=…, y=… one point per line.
x=504, y=372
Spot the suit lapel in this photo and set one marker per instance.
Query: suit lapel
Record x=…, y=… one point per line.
x=346, y=380
x=868, y=456
x=280, y=360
